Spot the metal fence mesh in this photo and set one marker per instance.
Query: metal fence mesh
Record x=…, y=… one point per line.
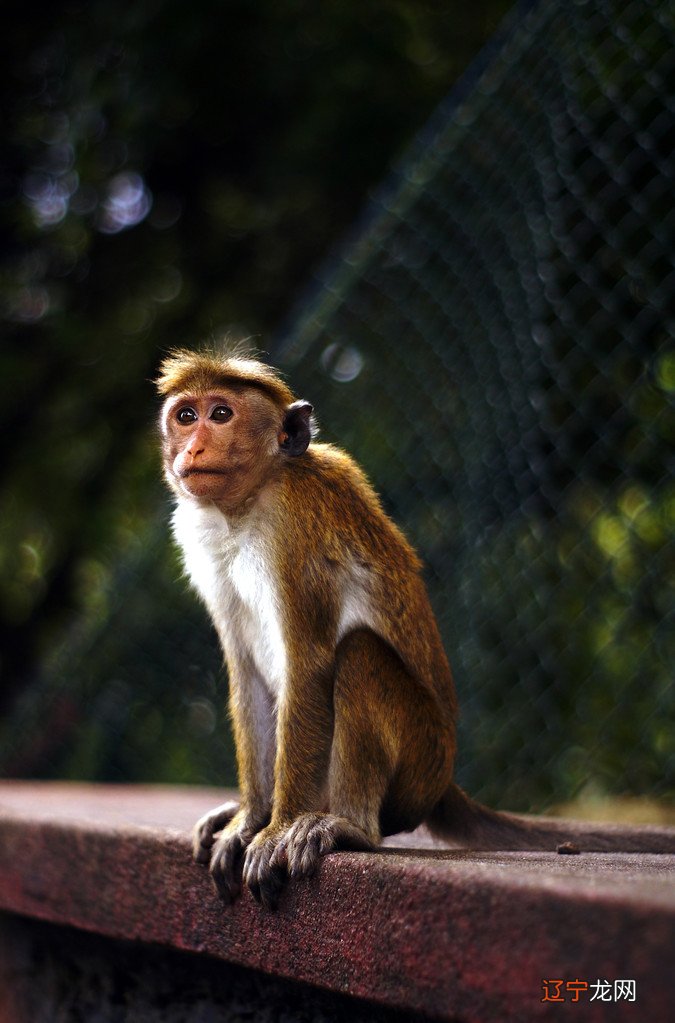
x=495, y=345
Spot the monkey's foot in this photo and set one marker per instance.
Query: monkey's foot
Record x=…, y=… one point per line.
x=312, y=836
x=276, y=853
x=203, y=834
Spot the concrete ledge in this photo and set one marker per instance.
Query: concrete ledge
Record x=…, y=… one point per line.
x=455, y=935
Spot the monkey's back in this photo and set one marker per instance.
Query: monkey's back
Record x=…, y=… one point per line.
x=341, y=541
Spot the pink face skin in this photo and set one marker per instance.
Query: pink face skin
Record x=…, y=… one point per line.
x=218, y=445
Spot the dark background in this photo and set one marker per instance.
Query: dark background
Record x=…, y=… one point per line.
x=493, y=341
x=171, y=173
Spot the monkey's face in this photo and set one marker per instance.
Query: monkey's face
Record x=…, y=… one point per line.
x=220, y=445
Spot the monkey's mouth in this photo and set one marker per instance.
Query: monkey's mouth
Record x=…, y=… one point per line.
x=202, y=472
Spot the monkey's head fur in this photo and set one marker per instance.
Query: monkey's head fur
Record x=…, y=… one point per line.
x=184, y=370
x=228, y=420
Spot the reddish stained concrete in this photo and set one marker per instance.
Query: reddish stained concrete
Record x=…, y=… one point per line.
x=459, y=935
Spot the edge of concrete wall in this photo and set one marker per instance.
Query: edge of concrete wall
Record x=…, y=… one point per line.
x=451, y=934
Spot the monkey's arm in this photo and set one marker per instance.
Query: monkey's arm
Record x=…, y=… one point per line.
x=304, y=733
x=253, y=725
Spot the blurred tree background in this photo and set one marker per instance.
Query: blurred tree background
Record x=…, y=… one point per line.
x=170, y=174
x=493, y=341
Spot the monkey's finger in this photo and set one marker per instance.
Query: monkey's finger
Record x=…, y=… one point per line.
x=201, y=853
x=226, y=890
x=250, y=869
x=202, y=843
x=264, y=880
x=279, y=857
x=223, y=867
x=250, y=875
x=301, y=837
x=225, y=882
x=226, y=855
x=270, y=885
x=203, y=835
x=307, y=862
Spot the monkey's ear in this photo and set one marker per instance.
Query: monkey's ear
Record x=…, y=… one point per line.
x=296, y=432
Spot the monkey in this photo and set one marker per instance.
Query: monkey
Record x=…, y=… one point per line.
x=341, y=696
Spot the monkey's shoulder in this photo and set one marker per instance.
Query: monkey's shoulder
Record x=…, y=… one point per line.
x=330, y=494
x=329, y=465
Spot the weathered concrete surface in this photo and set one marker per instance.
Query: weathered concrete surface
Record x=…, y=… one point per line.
x=460, y=935
x=55, y=974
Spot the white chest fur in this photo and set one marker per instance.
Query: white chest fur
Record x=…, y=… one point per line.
x=229, y=567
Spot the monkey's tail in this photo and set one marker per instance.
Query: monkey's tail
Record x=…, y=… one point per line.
x=461, y=821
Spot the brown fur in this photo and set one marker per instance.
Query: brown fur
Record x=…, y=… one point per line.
x=184, y=370
x=365, y=723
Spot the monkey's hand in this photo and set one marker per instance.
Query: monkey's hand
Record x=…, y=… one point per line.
x=220, y=837
x=227, y=850
x=295, y=851
x=264, y=879
x=203, y=834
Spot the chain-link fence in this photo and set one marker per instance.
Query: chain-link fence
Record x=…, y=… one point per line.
x=495, y=346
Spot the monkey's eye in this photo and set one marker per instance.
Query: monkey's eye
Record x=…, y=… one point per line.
x=221, y=414
x=185, y=416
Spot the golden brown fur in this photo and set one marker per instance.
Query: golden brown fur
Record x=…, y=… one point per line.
x=184, y=370
x=341, y=696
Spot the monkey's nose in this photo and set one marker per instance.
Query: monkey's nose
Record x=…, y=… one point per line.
x=194, y=451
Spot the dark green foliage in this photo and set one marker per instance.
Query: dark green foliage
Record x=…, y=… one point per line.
x=171, y=172
x=495, y=345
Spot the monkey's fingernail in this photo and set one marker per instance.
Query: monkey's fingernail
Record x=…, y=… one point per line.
x=279, y=858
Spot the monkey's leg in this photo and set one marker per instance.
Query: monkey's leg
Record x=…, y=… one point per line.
x=387, y=765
